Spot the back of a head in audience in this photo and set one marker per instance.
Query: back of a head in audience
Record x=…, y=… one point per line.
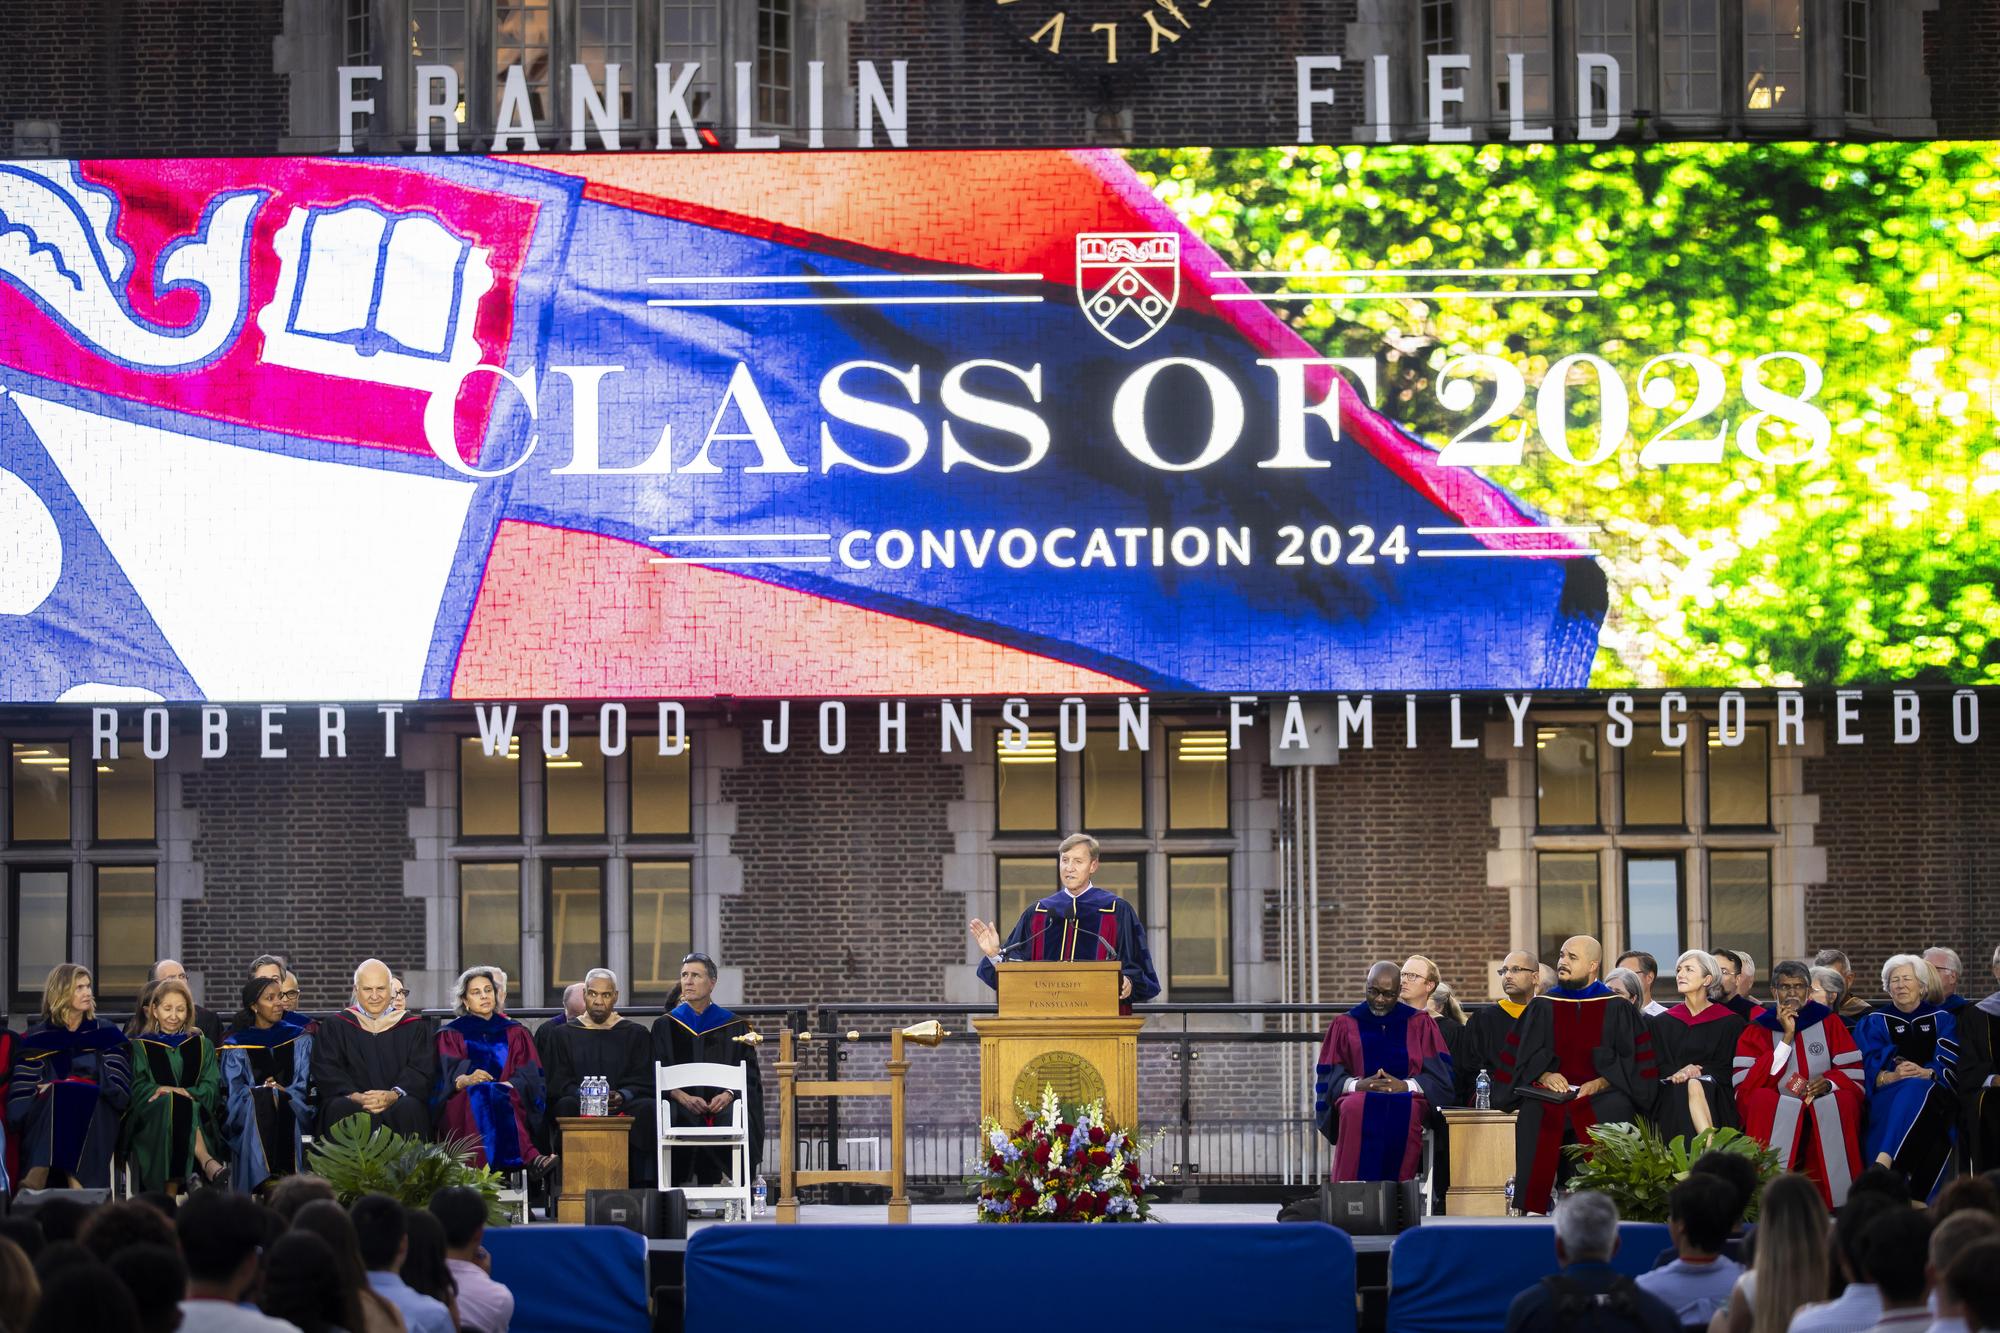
x=61, y=1219
x=25, y=1232
x=1736, y=1171
x=1791, y=1261
x=1967, y=1193
x=162, y=1201
x=380, y=1230
x=58, y=1255
x=19, y=1287
x=1894, y=1249
x=424, y=1266
x=221, y=1236
x=116, y=1225
x=1950, y=1238
x=1880, y=1180
x=1586, y=1228
x=330, y=1222
x=1972, y=1283
x=295, y=1192
x=1702, y=1211
x=1856, y=1215
x=461, y=1210
x=85, y=1296
x=156, y=1279
x=303, y=1285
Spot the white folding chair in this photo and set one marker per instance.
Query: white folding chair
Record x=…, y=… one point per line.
x=735, y=1136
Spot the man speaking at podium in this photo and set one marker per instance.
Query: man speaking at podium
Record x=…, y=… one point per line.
x=1078, y=923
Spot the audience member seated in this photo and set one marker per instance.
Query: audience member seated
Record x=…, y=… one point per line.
x=1967, y=1194
x=206, y=1019
x=1701, y=1212
x=490, y=1078
x=484, y=1305
x=606, y=1044
x=302, y=1286
x=222, y=1237
x=330, y=1222
x=375, y=1060
x=292, y=1193
x=383, y=1234
x=1860, y=1305
x=87, y=1296
x=1381, y=1066
x=425, y=1267
x=1587, y=1293
x=1740, y=1174
x=1647, y=969
x=1894, y=1250
x=1950, y=1237
x=1972, y=1286
x=700, y=1031
x=155, y=1277
x=114, y=1226
x=1909, y=1065
x=72, y=1077
x=19, y=1287
x=266, y=1068
x=1790, y=1270
x=176, y=1101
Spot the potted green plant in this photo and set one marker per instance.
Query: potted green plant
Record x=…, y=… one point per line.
x=358, y=1159
x=1636, y=1168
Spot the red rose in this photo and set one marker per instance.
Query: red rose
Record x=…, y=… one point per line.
x=1026, y=1198
x=996, y=1163
x=1097, y=1134
x=1099, y=1158
x=1131, y=1171
x=1027, y=1128
x=1041, y=1154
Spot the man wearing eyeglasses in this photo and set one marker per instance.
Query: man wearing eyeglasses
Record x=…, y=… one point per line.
x=206, y=1019
x=1382, y=1066
x=1486, y=1031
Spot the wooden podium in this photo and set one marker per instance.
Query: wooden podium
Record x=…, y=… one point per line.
x=1482, y=1157
x=1059, y=1026
x=595, y=1156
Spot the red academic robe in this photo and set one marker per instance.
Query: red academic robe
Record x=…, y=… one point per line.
x=1379, y=1135
x=1823, y=1137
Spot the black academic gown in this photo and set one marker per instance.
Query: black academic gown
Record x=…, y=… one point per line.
x=682, y=1037
x=621, y=1053
x=210, y=1024
x=1584, y=1034
x=1483, y=1043
x=347, y=1060
x=1976, y=1024
x=1709, y=1041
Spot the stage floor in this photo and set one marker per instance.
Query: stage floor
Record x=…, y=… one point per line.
x=950, y=1214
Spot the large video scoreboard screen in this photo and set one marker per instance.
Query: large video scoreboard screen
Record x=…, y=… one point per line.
x=1037, y=422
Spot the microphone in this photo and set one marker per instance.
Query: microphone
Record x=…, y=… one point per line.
x=1067, y=914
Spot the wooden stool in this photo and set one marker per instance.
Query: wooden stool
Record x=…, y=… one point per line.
x=1482, y=1157
x=595, y=1156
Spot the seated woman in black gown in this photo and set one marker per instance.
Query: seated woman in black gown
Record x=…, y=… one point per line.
x=1697, y=1052
x=72, y=1078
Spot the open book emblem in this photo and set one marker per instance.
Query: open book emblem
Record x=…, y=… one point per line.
x=366, y=294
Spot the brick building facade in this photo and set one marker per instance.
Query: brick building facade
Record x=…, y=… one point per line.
x=148, y=77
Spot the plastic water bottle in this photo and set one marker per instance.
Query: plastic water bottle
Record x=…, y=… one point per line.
x=1512, y=1211
x=1482, y=1092
x=760, y=1195
x=593, y=1095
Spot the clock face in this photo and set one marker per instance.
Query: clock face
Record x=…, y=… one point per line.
x=1104, y=34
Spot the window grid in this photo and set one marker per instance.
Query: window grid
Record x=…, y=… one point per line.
x=1854, y=46
x=774, y=62
x=662, y=925
x=357, y=38
x=438, y=37
x=1655, y=904
x=126, y=901
x=574, y=911
x=1527, y=27
x=1739, y=903
x=608, y=34
x=489, y=916
x=1609, y=27
x=1773, y=57
x=524, y=35
x=1690, y=49
x=691, y=33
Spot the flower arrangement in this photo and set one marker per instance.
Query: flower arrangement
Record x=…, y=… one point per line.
x=1061, y=1166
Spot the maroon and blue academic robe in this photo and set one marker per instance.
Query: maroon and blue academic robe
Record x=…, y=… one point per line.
x=1709, y=1040
x=1822, y=1137
x=1582, y=1035
x=1979, y=1082
x=496, y=1115
x=681, y=1037
x=1094, y=926
x=65, y=1097
x=349, y=1060
x=265, y=1124
x=1379, y=1135
x=1913, y=1120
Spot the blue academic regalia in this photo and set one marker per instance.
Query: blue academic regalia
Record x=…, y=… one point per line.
x=1093, y=926
x=502, y=1114
x=1379, y=1135
x=1914, y=1120
x=682, y=1036
x=66, y=1094
x=264, y=1124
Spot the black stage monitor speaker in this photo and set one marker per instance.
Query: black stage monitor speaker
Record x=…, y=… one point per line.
x=655, y=1214
x=27, y=1201
x=1370, y=1207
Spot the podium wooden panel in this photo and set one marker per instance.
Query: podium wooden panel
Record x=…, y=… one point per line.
x=1059, y=1024
x=1482, y=1157
x=595, y=1156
